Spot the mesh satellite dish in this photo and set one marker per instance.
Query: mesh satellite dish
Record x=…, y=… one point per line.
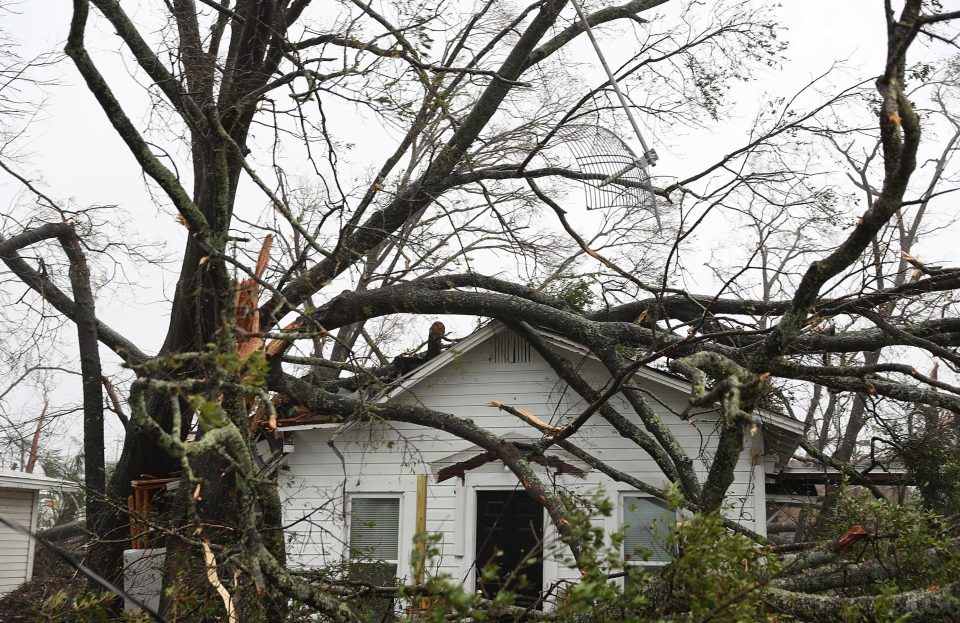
x=620, y=177
x=607, y=149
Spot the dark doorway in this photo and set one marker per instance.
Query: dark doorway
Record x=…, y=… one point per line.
x=509, y=531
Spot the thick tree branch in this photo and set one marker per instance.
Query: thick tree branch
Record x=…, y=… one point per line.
x=920, y=605
x=422, y=193
x=94, y=467
x=900, y=136
x=124, y=127
x=182, y=101
x=42, y=285
x=628, y=10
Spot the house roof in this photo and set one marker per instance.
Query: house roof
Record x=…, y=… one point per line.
x=478, y=337
x=11, y=479
x=781, y=433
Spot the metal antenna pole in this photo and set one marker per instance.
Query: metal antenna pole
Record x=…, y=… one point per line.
x=649, y=156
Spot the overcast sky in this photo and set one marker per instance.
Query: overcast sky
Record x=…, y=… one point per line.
x=79, y=157
x=76, y=155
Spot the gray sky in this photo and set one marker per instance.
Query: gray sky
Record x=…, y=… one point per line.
x=78, y=158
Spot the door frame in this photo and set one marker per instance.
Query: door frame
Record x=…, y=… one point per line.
x=500, y=481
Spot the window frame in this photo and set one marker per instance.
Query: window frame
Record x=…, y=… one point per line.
x=625, y=496
x=382, y=609
x=400, y=525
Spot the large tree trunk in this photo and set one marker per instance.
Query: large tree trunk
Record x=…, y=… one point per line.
x=201, y=315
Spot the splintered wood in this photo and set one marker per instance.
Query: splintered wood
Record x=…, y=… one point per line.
x=247, y=300
x=526, y=416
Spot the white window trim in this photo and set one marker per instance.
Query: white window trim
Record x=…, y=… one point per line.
x=621, y=518
x=396, y=495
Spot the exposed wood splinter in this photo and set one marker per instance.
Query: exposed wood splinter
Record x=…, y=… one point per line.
x=526, y=416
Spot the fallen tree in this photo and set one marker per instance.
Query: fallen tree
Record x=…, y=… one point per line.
x=232, y=350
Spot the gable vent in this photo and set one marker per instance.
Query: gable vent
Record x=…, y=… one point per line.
x=508, y=347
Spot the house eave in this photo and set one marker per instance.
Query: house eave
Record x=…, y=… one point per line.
x=813, y=475
x=10, y=479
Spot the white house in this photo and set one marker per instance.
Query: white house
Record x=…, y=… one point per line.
x=20, y=503
x=352, y=488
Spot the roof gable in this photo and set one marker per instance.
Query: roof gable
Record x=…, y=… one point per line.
x=416, y=376
x=787, y=426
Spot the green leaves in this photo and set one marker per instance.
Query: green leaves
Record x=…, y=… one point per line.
x=719, y=575
x=209, y=414
x=915, y=545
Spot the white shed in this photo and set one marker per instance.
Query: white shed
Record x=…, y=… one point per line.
x=20, y=502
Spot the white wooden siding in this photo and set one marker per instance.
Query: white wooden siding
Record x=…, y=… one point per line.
x=385, y=458
x=18, y=505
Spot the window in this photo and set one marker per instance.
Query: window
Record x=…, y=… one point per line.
x=375, y=528
x=375, y=550
x=375, y=531
x=647, y=522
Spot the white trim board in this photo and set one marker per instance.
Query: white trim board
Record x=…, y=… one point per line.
x=10, y=479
